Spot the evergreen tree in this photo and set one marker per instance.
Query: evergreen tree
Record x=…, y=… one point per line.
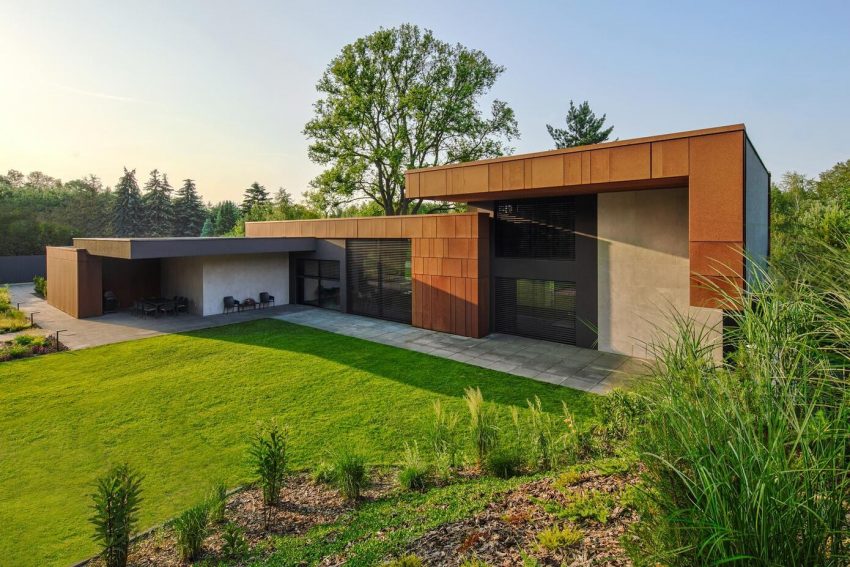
x=189, y=212
x=226, y=217
x=128, y=213
x=159, y=211
x=583, y=128
x=208, y=229
x=255, y=196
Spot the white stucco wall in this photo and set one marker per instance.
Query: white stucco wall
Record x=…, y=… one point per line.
x=184, y=277
x=644, y=270
x=244, y=276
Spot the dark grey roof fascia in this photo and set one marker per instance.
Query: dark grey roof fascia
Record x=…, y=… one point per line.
x=147, y=248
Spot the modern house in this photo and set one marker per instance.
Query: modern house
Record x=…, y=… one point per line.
x=593, y=246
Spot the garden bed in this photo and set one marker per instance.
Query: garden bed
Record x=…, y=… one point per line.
x=27, y=345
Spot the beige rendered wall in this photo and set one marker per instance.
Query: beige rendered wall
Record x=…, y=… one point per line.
x=644, y=270
x=244, y=276
x=184, y=277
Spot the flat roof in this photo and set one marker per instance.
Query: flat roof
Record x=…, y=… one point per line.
x=146, y=248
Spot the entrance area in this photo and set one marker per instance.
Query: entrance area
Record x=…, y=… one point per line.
x=379, y=278
x=318, y=283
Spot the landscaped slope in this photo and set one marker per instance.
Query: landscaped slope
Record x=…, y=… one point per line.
x=179, y=408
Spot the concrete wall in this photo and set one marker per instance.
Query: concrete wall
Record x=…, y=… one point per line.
x=756, y=214
x=644, y=269
x=184, y=277
x=244, y=276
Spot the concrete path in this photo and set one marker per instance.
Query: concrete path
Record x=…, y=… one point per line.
x=579, y=368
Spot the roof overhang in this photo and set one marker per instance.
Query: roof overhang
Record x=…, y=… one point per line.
x=146, y=248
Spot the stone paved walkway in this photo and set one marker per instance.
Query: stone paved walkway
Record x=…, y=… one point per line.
x=579, y=368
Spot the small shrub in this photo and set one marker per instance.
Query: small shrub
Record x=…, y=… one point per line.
x=18, y=351
x=504, y=462
x=414, y=471
x=116, y=507
x=406, y=561
x=482, y=424
x=216, y=502
x=350, y=474
x=584, y=505
x=233, y=542
x=567, y=479
x=555, y=538
x=268, y=458
x=444, y=436
x=24, y=340
x=542, y=436
x=40, y=285
x=323, y=473
x=619, y=412
x=191, y=529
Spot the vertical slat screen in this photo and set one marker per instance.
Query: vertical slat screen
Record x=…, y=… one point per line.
x=540, y=309
x=379, y=278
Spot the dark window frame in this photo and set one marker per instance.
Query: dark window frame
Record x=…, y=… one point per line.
x=326, y=272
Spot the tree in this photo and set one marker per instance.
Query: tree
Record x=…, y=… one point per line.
x=189, y=212
x=255, y=196
x=583, y=128
x=159, y=211
x=208, y=229
x=398, y=99
x=127, y=214
x=225, y=215
x=87, y=207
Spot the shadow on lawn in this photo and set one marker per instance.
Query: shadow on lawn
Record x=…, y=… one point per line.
x=424, y=371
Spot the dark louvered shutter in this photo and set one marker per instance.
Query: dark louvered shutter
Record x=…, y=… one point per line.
x=541, y=309
x=379, y=278
x=536, y=228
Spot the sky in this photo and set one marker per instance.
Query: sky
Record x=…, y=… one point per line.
x=219, y=91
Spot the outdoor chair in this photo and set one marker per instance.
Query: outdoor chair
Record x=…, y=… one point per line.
x=168, y=307
x=231, y=304
x=181, y=304
x=148, y=309
x=110, y=302
x=266, y=299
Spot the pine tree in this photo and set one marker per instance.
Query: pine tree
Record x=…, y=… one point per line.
x=189, y=212
x=255, y=195
x=226, y=217
x=583, y=128
x=159, y=211
x=208, y=229
x=128, y=213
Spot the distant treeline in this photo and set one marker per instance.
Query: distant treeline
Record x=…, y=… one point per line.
x=38, y=210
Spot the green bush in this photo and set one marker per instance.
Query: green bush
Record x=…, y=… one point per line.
x=482, y=424
x=216, y=502
x=747, y=458
x=234, y=545
x=191, y=529
x=268, y=459
x=116, y=506
x=350, y=474
x=556, y=538
x=31, y=340
x=40, y=285
x=619, y=413
x=323, y=473
x=11, y=319
x=414, y=472
x=18, y=351
x=504, y=461
x=591, y=504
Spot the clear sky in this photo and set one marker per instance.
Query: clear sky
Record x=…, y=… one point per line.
x=220, y=90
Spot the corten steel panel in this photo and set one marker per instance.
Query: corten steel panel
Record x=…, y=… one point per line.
x=458, y=248
x=411, y=228
x=629, y=163
x=547, y=172
x=716, y=292
x=494, y=181
x=716, y=183
x=572, y=169
x=441, y=303
x=432, y=183
x=463, y=226
x=411, y=183
x=459, y=306
x=445, y=226
x=585, y=167
x=513, y=175
x=716, y=259
x=475, y=178
x=600, y=166
x=670, y=158
x=527, y=171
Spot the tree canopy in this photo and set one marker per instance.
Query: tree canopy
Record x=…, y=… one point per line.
x=189, y=212
x=159, y=210
x=583, y=128
x=397, y=99
x=128, y=214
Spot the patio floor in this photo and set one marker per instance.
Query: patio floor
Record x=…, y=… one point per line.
x=579, y=368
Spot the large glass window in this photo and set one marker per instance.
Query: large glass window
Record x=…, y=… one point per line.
x=379, y=278
x=536, y=228
x=542, y=309
x=318, y=283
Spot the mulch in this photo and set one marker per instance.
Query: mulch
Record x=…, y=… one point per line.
x=509, y=526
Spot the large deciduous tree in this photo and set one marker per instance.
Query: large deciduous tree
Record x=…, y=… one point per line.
x=189, y=212
x=583, y=128
x=398, y=99
x=127, y=214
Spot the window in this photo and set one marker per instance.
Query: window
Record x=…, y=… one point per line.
x=318, y=283
x=542, y=309
x=379, y=278
x=536, y=228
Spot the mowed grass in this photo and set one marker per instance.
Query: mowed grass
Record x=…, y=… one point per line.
x=179, y=408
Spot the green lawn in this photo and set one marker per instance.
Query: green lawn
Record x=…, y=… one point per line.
x=179, y=408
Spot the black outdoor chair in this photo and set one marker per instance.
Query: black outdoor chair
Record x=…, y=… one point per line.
x=110, y=302
x=181, y=304
x=230, y=304
x=168, y=307
x=266, y=299
x=148, y=308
